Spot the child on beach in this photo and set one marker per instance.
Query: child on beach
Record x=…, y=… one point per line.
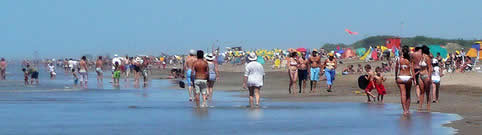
x=25, y=76
x=379, y=79
x=76, y=77
x=371, y=84
x=360, y=69
x=117, y=73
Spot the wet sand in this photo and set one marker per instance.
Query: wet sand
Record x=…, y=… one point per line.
x=460, y=93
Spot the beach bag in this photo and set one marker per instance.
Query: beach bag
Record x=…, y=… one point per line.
x=363, y=81
x=182, y=84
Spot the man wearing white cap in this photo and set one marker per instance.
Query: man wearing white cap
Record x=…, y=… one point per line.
x=189, y=74
x=253, y=78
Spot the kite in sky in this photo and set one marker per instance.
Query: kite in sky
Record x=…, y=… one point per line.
x=351, y=32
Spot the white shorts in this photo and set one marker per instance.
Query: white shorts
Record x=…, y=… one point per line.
x=200, y=86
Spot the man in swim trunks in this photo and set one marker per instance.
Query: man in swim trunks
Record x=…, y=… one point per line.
x=200, y=67
x=314, y=64
x=189, y=74
x=83, y=72
x=302, y=71
x=99, y=69
x=3, y=68
x=33, y=74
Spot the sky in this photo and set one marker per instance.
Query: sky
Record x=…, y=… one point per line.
x=61, y=28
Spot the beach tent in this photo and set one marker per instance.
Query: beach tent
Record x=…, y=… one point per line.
x=367, y=54
x=360, y=51
x=393, y=43
x=349, y=53
x=434, y=49
x=374, y=55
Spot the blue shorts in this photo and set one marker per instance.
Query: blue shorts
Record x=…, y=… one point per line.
x=314, y=74
x=330, y=76
x=188, y=77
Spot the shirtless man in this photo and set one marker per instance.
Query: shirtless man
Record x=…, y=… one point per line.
x=314, y=64
x=66, y=66
x=302, y=71
x=200, y=67
x=100, y=72
x=83, y=71
x=3, y=68
x=189, y=74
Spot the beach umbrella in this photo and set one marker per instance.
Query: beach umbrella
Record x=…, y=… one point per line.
x=434, y=49
x=301, y=49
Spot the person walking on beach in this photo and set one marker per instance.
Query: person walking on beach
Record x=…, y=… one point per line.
x=75, y=78
x=33, y=74
x=189, y=73
x=403, y=78
x=314, y=64
x=99, y=69
x=83, y=72
x=292, y=72
x=422, y=71
x=25, y=76
x=66, y=66
x=213, y=74
x=330, y=67
x=436, y=77
x=379, y=79
x=117, y=74
x=200, y=67
x=302, y=72
x=52, y=73
x=3, y=69
x=253, y=79
x=371, y=83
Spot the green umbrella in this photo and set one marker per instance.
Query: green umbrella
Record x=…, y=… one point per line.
x=434, y=49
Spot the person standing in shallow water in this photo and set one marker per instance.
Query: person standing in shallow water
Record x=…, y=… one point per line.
x=99, y=70
x=403, y=78
x=3, y=69
x=422, y=73
x=200, y=67
x=253, y=79
x=213, y=74
x=83, y=71
x=190, y=59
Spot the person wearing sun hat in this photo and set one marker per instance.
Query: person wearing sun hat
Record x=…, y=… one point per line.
x=253, y=78
x=330, y=67
x=213, y=73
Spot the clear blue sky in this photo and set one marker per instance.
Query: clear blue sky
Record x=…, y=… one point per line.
x=76, y=27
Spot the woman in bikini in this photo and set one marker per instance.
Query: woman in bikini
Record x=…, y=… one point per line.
x=422, y=70
x=293, y=71
x=403, y=78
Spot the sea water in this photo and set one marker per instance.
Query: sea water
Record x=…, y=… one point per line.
x=54, y=107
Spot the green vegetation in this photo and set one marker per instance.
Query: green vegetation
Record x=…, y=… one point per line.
x=410, y=41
